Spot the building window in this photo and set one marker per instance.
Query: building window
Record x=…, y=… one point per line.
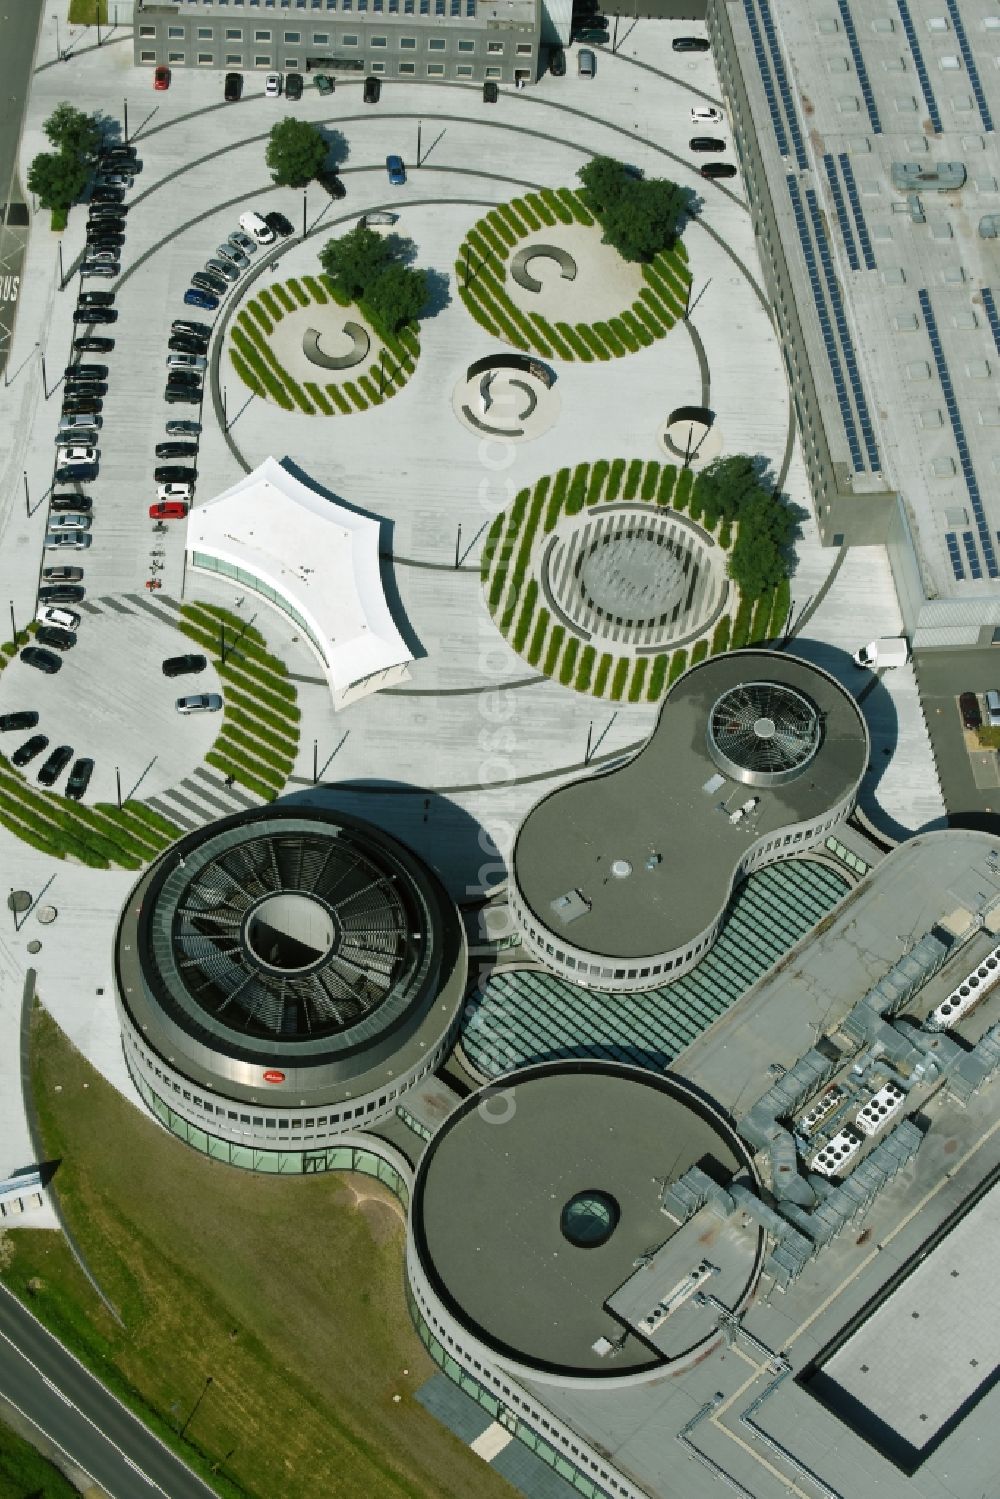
x=524, y=49
x=465, y=46
x=407, y=67
x=147, y=56
x=436, y=44
x=262, y=36
x=234, y=59
x=321, y=38
x=376, y=41
x=494, y=46
x=234, y=33
x=205, y=33
x=350, y=41
x=176, y=57
x=147, y=31
x=377, y=67
x=408, y=42
x=175, y=31
x=293, y=36
x=435, y=69
x=206, y=58
x=464, y=70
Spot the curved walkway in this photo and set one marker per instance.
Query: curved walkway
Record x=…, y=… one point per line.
x=360, y=344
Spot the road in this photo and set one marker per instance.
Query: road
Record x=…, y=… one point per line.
x=20, y=28
x=74, y=1409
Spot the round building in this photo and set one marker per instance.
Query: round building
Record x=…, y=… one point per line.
x=283, y=978
x=539, y=1243
x=621, y=881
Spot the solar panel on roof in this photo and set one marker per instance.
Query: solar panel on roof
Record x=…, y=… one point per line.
x=845, y=224
x=859, y=63
x=782, y=77
x=921, y=67
x=951, y=541
x=855, y=202
x=766, y=79
x=991, y=313
x=970, y=64
x=969, y=541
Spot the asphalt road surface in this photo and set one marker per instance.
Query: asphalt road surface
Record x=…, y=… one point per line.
x=95, y=1430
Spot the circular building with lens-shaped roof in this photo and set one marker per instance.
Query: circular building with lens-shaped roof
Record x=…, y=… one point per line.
x=541, y=1239
x=621, y=881
x=283, y=977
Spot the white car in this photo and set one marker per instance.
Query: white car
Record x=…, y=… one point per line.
x=272, y=86
x=254, y=225
x=71, y=521
x=706, y=114
x=70, y=423
x=186, y=362
x=76, y=456
x=65, y=619
x=202, y=702
x=66, y=541
x=174, y=491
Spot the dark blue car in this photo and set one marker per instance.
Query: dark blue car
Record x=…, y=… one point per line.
x=397, y=172
x=195, y=298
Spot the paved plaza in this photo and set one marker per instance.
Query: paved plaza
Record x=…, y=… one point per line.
x=452, y=760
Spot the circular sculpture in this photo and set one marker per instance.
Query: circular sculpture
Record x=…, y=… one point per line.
x=691, y=434
x=533, y=1225
x=507, y=396
x=297, y=958
x=634, y=576
x=763, y=733
x=358, y=352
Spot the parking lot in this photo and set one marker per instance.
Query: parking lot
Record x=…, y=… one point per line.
x=970, y=777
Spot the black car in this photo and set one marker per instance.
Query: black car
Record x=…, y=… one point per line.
x=373, y=89
x=110, y=233
x=706, y=143
x=62, y=574
x=188, y=325
x=557, y=62
x=95, y=315
x=107, y=210
x=107, y=195
x=82, y=405
x=58, y=639
x=332, y=184
x=79, y=779
x=86, y=372
x=176, y=666
x=67, y=475
x=690, y=44
x=93, y=345
x=279, y=224
x=23, y=720
x=233, y=90
x=29, y=749
x=45, y=661
x=75, y=504
x=293, y=86
x=210, y=282
x=594, y=36
x=186, y=343
x=183, y=429
x=189, y=379
x=117, y=149
x=176, y=450
x=55, y=765
x=491, y=92
x=182, y=395
x=85, y=388
x=968, y=706
x=60, y=593
x=95, y=299
x=175, y=473
x=718, y=169
x=324, y=84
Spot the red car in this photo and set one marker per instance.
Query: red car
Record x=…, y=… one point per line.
x=161, y=77
x=168, y=510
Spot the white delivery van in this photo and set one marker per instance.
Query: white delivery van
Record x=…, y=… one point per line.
x=879, y=654
x=257, y=228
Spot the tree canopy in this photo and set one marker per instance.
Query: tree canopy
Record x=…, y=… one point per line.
x=295, y=152
x=638, y=216
x=730, y=489
x=57, y=179
x=354, y=260
x=73, y=132
x=369, y=268
x=397, y=295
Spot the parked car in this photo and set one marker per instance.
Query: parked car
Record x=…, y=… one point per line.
x=183, y=429
x=73, y=423
x=233, y=91
x=101, y=238
x=86, y=372
x=186, y=343
x=187, y=325
x=55, y=765
x=95, y=315
x=115, y=179
x=293, y=87
x=324, y=84
x=207, y=281
x=66, y=541
x=557, y=62
x=176, y=450
x=62, y=593
x=223, y=268
x=77, y=454
x=598, y=36
x=172, y=492
x=718, y=169
x=55, y=637
x=186, y=362
x=109, y=272
x=62, y=574
x=73, y=504
x=26, y=719
x=175, y=473
x=272, y=86
x=968, y=706
x=491, y=91
x=93, y=345
x=89, y=406
x=118, y=149
x=690, y=44
x=202, y=702
x=395, y=171
x=79, y=778
x=72, y=521
x=109, y=212
x=190, y=379
x=174, y=666
x=586, y=63
x=29, y=749
x=107, y=195
x=46, y=661
x=78, y=475
x=233, y=254
x=706, y=143
x=65, y=619
x=95, y=299
x=88, y=435
x=706, y=114
x=182, y=395
x=245, y=239
x=279, y=223
x=84, y=390
x=373, y=89
x=332, y=183
x=196, y=298
x=168, y=510
x=161, y=77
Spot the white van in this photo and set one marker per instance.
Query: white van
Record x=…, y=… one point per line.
x=258, y=230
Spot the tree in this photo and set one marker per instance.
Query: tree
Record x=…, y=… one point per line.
x=642, y=220
x=397, y=295
x=758, y=562
x=57, y=179
x=295, y=152
x=73, y=132
x=605, y=179
x=355, y=260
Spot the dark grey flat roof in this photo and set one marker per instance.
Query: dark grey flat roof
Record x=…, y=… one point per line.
x=494, y=1180
x=657, y=804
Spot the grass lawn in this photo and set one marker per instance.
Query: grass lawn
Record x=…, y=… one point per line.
x=85, y=12
x=287, y=1291
x=25, y=1474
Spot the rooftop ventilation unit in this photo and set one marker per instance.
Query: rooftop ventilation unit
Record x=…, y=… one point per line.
x=880, y=1108
x=835, y=1154
x=967, y=995
x=763, y=733
x=676, y=1297
x=821, y=1109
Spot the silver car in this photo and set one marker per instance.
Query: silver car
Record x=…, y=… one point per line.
x=201, y=702
x=71, y=423
x=71, y=521
x=224, y=268
x=233, y=254
x=246, y=244
x=67, y=541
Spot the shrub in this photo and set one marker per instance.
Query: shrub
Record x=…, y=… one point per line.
x=298, y=291
x=603, y=670
x=720, y=636
x=622, y=668
x=577, y=493
x=553, y=648
x=615, y=478
x=678, y=665
x=339, y=398
x=657, y=677
x=538, y=637
x=529, y=603
x=635, y=686
x=633, y=478
x=585, y=670
x=650, y=479
x=567, y=665
x=700, y=651
x=315, y=289
x=598, y=477
x=351, y=390
x=229, y=767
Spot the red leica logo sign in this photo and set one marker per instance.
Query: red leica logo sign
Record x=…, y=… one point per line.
x=272, y=1075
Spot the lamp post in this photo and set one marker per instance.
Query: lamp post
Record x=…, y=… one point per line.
x=458, y=543
x=315, y=761
x=58, y=48
x=62, y=273
x=419, y=125
x=304, y=190
x=97, y=15
x=118, y=786
x=45, y=380
x=13, y=626
x=187, y=1423
x=125, y=119
x=27, y=497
